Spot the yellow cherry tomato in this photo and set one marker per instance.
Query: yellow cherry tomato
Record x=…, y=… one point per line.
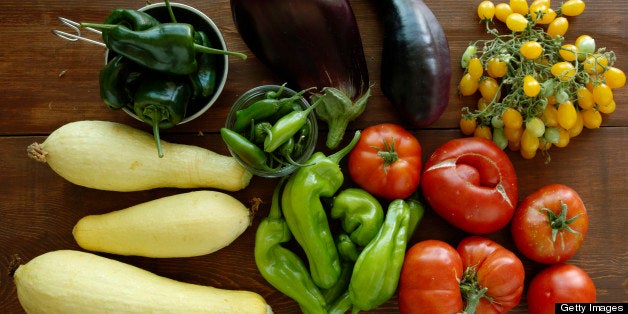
x=542, y=13
x=516, y=22
x=558, y=27
x=567, y=115
x=609, y=108
x=585, y=98
x=615, y=77
x=586, y=46
x=519, y=6
x=550, y=116
x=502, y=10
x=514, y=146
x=527, y=154
x=483, y=104
x=568, y=52
x=535, y=126
x=483, y=131
x=563, y=138
x=595, y=63
x=577, y=128
x=496, y=68
x=468, y=125
x=489, y=88
x=531, y=87
x=564, y=71
x=512, y=118
x=475, y=68
x=531, y=50
x=602, y=94
x=486, y=10
x=572, y=7
x=591, y=119
x=468, y=85
x=529, y=142
x=513, y=135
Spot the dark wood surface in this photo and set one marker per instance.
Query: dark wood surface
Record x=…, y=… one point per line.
x=46, y=82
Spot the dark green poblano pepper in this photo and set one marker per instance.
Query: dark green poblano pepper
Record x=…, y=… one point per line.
x=161, y=101
x=305, y=214
x=204, y=79
x=360, y=212
x=131, y=19
x=377, y=270
x=118, y=80
x=282, y=268
x=167, y=47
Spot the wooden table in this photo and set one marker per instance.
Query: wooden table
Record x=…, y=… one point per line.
x=47, y=82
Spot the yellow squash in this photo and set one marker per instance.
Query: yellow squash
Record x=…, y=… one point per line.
x=112, y=156
x=69, y=281
x=183, y=225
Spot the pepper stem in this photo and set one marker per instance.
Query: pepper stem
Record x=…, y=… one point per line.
x=205, y=49
x=337, y=156
x=172, y=17
x=153, y=117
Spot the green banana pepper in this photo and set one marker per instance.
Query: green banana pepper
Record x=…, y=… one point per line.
x=347, y=249
x=361, y=214
x=282, y=268
x=161, y=101
x=377, y=270
x=167, y=47
x=306, y=217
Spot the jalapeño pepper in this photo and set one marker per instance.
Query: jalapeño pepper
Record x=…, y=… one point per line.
x=306, y=217
x=161, y=101
x=286, y=127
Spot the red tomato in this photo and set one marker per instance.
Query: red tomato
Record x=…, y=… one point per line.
x=559, y=283
x=434, y=276
x=472, y=184
x=386, y=161
x=550, y=224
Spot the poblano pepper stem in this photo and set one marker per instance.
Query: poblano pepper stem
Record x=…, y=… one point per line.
x=282, y=268
x=377, y=270
x=161, y=101
x=306, y=216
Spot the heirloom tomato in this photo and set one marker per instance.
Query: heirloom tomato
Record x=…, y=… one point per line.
x=471, y=183
x=550, y=224
x=386, y=161
x=559, y=283
x=480, y=276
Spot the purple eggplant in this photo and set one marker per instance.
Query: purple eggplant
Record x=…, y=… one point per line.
x=415, y=69
x=314, y=43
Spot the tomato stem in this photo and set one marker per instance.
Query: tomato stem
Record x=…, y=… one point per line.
x=471, y=291
x=560, y=222
x=387, y=153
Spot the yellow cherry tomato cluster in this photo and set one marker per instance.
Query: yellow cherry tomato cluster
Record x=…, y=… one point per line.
x=536, y=91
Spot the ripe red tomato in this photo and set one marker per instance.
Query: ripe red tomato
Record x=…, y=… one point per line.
x=472, y=184
x=559, y=283
x=550, y=224
x=386, y=161
x=435, y=276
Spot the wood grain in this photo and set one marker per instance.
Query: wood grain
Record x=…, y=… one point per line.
x=47, y=82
